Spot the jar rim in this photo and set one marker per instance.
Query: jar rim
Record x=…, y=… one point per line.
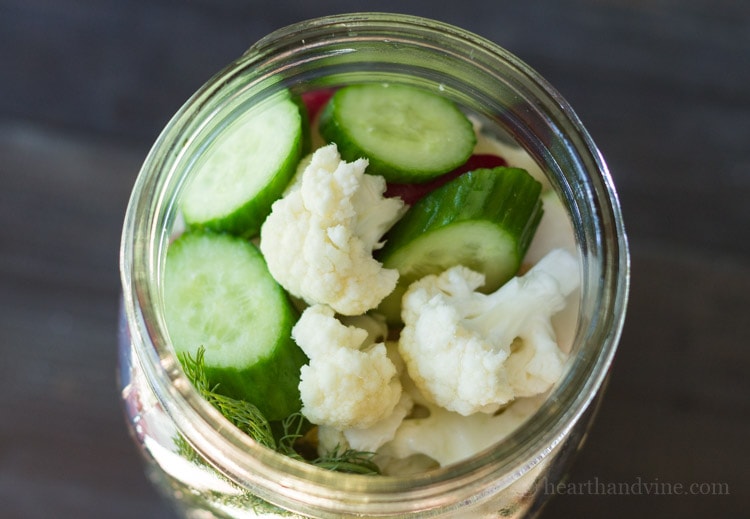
x=143, y=244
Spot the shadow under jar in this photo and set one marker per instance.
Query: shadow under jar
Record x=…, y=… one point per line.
x=211, y=469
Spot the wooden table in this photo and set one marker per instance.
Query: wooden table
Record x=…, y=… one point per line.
x=664, y=88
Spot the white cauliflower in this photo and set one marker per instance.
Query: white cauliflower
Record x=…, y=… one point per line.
x=367, y=439
x=349, y=382
x=448, y=437
x=318, y=239
x=470, y=352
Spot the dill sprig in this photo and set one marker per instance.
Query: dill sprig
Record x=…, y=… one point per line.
x=348, y=460
x=248, y=418
x=243, y=415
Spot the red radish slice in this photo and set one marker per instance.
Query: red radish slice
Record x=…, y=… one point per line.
x=315, y=101
x=410, y=193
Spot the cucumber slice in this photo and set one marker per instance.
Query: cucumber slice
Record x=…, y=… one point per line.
x=409, y=135
x=484, y=220
x=219, y=294
x=246, y=168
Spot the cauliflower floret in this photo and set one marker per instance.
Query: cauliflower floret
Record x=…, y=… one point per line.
x=470, y=352
x=448, y=437
x=367, y=439
x=349, y=382
x=318, y=239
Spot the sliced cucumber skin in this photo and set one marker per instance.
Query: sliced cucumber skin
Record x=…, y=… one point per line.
x=496, y=210
x=270, y=384
x=269, y=376
x=244, y=220
x=410, y=165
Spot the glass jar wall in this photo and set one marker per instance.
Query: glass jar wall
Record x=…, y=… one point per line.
x=210, y=468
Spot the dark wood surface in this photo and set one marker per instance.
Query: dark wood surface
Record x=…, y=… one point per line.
x=663, y=86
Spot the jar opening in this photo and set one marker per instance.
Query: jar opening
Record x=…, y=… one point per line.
x=482, y=78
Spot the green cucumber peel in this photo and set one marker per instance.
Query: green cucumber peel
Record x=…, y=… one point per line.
x=484, y=219
x=247, y=167
x=219, y=295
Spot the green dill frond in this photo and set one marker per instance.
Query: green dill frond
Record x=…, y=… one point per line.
x=244, y=415
x=248, y=418
x=349, y=460
x=292, y=427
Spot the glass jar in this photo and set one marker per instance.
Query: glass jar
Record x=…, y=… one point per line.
x=209, y=468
